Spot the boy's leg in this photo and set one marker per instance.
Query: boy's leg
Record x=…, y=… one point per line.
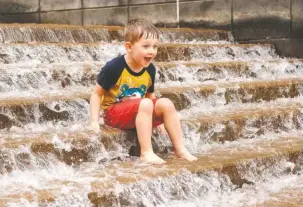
x=144, y=126
x=166, y=109
x=135, y=113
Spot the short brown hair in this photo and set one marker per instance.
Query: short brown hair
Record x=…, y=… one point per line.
x=136, y=28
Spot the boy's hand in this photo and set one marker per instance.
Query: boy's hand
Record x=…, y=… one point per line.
x=95, y=126
x=162, y=130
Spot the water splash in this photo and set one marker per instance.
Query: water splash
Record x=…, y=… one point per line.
x=33, y=71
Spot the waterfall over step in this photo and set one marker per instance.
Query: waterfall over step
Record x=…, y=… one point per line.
x=240, y=107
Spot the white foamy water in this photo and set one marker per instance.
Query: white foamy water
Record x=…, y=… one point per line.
x=37, y=78
x=246, y=196
x=60, y=77
x=50, y=53
x=182, y=75
x=208, y=188
x=34, y=34
x=59, y=180
x=33, y=80
x=41, y=34
x=213, y=106
x=231, y=52
x=31, y=77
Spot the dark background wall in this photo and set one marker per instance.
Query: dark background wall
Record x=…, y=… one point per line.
x=264, y=21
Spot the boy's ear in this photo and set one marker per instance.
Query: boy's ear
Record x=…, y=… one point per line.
x=128, y=46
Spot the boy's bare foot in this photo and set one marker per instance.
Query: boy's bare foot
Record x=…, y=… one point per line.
x=152, y=158
x=184, y=154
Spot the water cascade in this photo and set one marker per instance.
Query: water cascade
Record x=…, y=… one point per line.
x=240, y=105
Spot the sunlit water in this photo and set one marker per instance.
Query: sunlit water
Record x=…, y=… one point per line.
x=56, y=53
x=66, y=34
x=206, y=189
x=37, y=72
x=246, y=196
x=38, y=77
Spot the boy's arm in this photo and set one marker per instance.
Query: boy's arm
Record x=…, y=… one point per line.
x=95, y=103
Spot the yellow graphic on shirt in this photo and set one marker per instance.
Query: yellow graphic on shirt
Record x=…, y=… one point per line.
x=127, y=86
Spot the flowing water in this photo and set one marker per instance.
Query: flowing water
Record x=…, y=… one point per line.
x=240, y=109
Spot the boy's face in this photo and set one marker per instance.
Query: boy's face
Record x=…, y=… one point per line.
x=143, y=51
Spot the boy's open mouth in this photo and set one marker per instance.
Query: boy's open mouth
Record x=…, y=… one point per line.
x=147, y=58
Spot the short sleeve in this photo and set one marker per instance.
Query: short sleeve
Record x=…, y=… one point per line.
x=109, y=75
x=152, y=72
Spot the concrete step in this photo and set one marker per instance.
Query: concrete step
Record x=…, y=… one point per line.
x=215, y=52
x=243, y=92
x=234, y=162
x=62, y=53
x=231, y=165
x=252, y=91
x=248, y=122
x=46, y=191
x=73, y=146
x=31, y=150
x=27, y=33
x=200, y=71
x=71, y=105
x=66, y=105
x=27, y=77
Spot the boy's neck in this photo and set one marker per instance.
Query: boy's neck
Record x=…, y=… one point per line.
x=131, y=64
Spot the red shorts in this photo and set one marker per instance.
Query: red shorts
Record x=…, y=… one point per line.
x=123, y=115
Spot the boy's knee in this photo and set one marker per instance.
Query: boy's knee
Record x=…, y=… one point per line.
x=146, y=105
x=166, y=103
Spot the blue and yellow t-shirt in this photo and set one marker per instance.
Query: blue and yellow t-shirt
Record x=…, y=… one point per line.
x=120, y=82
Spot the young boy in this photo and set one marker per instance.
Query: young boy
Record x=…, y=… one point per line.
x=125, y=91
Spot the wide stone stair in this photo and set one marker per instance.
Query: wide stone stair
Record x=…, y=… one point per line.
x=240, y=109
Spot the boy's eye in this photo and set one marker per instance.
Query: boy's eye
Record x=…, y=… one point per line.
x=155, y=46
x=145, y=46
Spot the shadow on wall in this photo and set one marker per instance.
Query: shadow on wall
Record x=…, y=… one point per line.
x=205, y=24
x=12, y=12
x=261, y=28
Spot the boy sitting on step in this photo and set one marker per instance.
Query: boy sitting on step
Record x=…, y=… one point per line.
x=125, y=91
